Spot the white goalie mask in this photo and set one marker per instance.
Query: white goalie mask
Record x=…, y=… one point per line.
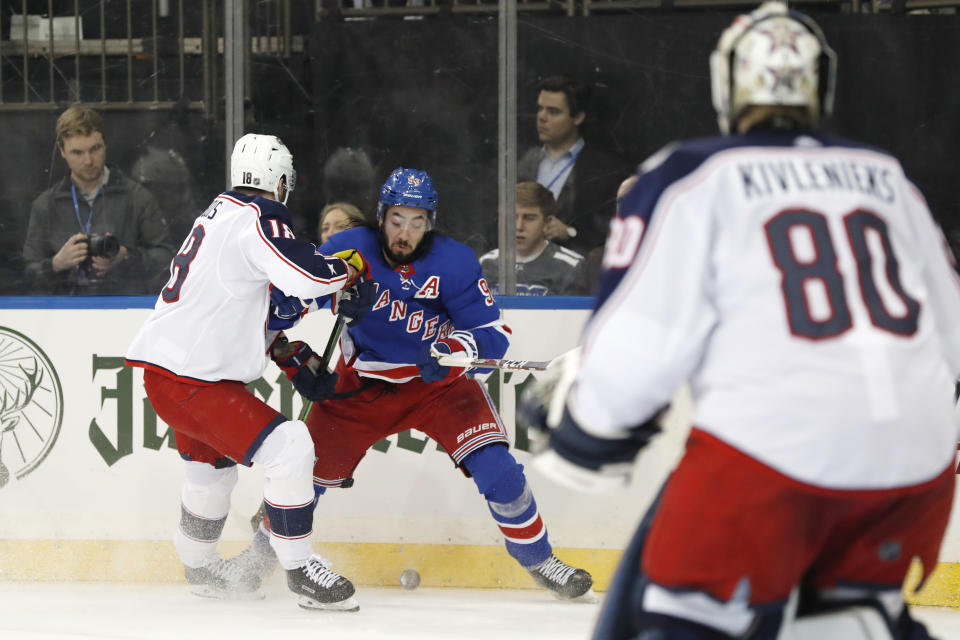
x=772, y=56
x=259, y=161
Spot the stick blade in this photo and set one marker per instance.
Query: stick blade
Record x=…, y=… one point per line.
x=490, y=363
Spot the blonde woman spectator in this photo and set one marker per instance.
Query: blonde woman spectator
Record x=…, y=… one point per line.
x=336, y=217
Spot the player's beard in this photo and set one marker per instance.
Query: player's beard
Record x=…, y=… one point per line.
x=400, y=251
x=422, y=247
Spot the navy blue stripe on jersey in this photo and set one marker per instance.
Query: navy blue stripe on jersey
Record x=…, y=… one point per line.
x=276, y=232
x=255, y=445
x=673, y=163
x=634, y=212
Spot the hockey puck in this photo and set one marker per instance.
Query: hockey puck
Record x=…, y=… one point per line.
x=410, y=579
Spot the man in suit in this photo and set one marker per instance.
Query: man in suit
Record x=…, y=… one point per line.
x=582, y=178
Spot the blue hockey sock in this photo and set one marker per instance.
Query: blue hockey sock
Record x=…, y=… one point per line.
x=500, y=479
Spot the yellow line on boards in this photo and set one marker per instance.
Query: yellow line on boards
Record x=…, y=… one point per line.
x=366, y=564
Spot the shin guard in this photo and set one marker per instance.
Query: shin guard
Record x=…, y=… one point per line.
x=500, y=479
x=287, y=456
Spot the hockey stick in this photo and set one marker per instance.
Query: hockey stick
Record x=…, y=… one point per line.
x=324, y=361
x=454, y=360
x=307, y=404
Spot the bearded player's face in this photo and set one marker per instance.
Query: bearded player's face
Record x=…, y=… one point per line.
x=403, y=228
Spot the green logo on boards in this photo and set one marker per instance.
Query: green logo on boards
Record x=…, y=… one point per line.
x=31, y=405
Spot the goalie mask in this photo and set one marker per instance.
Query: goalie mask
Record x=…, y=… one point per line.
x=259, y=162
x=772, y=56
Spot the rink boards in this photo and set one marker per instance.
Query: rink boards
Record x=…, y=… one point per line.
x=90, y=480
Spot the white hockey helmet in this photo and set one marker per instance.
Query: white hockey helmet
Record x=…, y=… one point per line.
x=259, y=162
x=772, y=56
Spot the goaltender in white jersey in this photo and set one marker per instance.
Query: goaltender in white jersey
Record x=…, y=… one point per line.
x=814, y=291
x=800, y=285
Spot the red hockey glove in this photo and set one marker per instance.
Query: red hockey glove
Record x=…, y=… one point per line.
x=459, y=342
x=302, y=366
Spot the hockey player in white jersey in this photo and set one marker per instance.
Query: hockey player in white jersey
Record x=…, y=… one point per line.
x=800, y=286
x=207, y=338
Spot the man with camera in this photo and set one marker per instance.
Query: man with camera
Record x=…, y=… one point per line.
x=97, y=231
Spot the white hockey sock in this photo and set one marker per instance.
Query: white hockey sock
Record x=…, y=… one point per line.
x=204, y=502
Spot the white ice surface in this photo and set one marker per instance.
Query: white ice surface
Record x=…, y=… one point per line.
x=89, y=611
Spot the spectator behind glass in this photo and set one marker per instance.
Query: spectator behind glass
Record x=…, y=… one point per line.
x=96, y=231
x=544, y=268
x=349, y=176
x=336, y=217
x=165, y=174
x=582, y=178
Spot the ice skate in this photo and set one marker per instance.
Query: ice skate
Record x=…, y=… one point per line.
x=259, y=558
x=318, y=587
x=566, y=582
x=224, y=579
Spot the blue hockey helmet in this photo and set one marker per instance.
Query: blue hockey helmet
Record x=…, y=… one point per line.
x=408, y=188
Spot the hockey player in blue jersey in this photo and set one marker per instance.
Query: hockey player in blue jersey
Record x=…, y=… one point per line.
x=430, y=295
x=798, y=283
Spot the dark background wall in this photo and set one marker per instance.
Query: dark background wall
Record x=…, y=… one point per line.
x=424, y=93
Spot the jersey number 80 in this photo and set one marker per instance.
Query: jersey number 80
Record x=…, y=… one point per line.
x=798, y=274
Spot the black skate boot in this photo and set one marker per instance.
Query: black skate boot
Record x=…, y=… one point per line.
x=317, y=587
x=224, y=579
x=259, y=558
x=566, y=582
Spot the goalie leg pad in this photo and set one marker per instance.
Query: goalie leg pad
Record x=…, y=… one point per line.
x=287, y=455
x=858, y=612
x=204, y=503
x=854, y=623
x=499, y=477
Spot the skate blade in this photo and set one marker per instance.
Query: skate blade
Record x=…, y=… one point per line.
x=206, y=591
x=588, y=597
x=350, y=604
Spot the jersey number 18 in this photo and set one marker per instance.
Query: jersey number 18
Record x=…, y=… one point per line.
x=180, y=266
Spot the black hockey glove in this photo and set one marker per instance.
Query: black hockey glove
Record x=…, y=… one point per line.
x=532, y=412
x=301, y=365
x=353, y=302
x=582, y=461
x=577, y=446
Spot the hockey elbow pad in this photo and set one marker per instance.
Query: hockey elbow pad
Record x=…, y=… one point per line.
x=285, y=311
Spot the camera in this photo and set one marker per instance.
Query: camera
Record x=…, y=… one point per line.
x=102, y=246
